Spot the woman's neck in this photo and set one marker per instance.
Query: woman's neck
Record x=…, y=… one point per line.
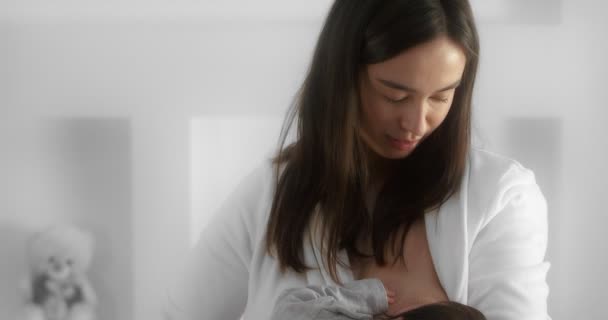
x=379, y=168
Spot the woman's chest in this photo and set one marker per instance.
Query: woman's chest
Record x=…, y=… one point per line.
x=415, y=282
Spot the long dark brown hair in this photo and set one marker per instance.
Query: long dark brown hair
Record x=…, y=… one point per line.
x=325, y=173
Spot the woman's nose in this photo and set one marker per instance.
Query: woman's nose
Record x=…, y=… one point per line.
x=413, y=120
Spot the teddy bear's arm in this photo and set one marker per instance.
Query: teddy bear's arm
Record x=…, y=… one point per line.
x=87, y=290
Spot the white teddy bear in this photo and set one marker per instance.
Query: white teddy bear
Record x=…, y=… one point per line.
x=57, y=288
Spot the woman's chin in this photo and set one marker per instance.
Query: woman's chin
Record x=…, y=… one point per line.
x=395, y=155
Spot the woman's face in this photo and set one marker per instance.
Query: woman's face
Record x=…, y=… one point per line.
x=407, y=97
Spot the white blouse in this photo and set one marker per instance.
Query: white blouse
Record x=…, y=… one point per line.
x=487, y=242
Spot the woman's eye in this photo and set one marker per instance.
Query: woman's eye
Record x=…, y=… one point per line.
x=395, y=100
x=439, y=99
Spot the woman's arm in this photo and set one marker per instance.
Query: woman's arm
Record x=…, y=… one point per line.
x=214, y=282
x=507, y=271
x=361, y=299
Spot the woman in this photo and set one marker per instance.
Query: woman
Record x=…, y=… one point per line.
x=380, y=183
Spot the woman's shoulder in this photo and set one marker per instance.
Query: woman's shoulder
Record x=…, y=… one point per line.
x=493, y=179
x=262, y=171
x=257, y=185
x=489, y=169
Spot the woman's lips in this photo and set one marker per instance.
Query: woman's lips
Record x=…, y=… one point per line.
x=402, y=144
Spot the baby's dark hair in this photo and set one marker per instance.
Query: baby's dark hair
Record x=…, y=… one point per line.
x=447, y=310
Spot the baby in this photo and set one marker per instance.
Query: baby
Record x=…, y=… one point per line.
x=360, y=299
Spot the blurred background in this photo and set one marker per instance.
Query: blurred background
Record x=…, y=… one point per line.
x=131, y=119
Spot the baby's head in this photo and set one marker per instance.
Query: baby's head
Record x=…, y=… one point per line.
x=447, y=310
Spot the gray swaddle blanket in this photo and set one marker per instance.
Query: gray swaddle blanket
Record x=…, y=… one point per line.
x=360, y=299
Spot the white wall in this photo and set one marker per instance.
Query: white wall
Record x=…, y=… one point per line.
x=557, y=71
x=165, y=70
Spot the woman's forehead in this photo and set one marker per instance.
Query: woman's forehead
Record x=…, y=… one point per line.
x=428, y=67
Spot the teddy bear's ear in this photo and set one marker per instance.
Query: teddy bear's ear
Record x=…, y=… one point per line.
x=86, y=251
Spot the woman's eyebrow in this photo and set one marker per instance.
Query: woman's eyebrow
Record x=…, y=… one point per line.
x=398, y=86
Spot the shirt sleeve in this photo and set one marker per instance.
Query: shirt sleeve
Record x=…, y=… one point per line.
x=360, y=299
x=507, y=271
x=214, y=282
